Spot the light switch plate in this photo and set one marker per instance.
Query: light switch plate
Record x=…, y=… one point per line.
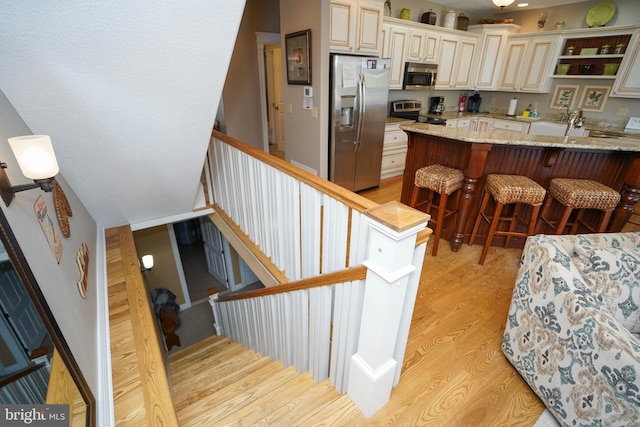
x=634, y=123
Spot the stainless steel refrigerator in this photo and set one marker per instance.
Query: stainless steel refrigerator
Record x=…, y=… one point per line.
x=358, y=100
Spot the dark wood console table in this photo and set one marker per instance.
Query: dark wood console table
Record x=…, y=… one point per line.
x=613, y=162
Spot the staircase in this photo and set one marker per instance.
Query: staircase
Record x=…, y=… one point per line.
x=218, y=382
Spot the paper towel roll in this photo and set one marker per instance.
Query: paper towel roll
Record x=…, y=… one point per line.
x=513, y=104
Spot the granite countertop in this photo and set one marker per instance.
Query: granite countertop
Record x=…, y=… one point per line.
x=590, y=124
x=398, y=121
x=456, y=115
x=609, y=144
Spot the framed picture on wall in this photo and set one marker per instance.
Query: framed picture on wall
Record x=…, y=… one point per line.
x=594, y=97
x=564, y=95
x=298, y=51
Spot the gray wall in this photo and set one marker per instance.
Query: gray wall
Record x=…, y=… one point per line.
x=78, y=318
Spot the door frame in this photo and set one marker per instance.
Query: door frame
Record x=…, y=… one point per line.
x=263, y=39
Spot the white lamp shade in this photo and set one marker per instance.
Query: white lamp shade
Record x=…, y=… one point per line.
x=35, y=156
x=147, y=261
x=502, y=3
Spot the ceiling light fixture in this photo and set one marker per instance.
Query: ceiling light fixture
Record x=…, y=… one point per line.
x=522, y=4
x=36, y=160
x=502, y=3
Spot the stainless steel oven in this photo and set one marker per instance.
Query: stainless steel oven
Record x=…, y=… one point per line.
x=419, y=76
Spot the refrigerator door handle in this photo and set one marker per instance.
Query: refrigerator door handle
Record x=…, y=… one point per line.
x=362, y=95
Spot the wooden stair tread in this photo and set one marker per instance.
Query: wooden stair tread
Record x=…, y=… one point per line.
x=251, y=405
x=228, y=369
x=207, y=345
x=308, y=402
x=339, y=412
x=193, y=366
x=213, y=405
x=195, y=393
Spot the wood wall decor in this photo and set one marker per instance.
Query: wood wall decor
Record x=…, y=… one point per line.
x=50, y=231
x=63, y=209
x=82, y=258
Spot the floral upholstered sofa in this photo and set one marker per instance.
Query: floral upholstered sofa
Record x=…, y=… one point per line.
x=573, y=330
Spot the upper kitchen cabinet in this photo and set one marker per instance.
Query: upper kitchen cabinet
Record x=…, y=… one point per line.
x=356, y=27
x=394, y=42
x=422, y=46
x=627, y=83
x=455, y=61
x=528, y=63
x=491, y=52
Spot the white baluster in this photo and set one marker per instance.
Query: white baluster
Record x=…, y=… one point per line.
x=319, y=331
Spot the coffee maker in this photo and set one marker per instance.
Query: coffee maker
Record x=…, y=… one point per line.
x=436, y=105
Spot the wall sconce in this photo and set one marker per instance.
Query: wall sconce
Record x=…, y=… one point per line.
x=37, y=161
x=502, y=3
x=147, y=262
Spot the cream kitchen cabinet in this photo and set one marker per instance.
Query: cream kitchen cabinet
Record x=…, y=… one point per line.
x=528, y=63
x=627, y=82
x=422, y=46
x=459, y=123
x=355, y=27
x=509, y=126
x=394, y=151
x=491, y=52
x=455, y=62
x=394, y=47
x=481, y=124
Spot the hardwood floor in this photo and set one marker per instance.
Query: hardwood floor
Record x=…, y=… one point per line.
x=454, y=372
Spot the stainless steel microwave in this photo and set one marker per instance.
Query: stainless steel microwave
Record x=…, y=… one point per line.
x=419, y=76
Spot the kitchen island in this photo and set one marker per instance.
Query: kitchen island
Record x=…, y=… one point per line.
x=613, y=162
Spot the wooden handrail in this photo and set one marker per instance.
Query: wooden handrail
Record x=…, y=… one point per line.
x=151, y=377
x=20, y=374
x=341, y=194
x=278, y=274
x=355, y=273
x=423, y=236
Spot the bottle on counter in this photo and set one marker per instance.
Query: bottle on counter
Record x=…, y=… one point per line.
x=527, y=111
x=463, y=100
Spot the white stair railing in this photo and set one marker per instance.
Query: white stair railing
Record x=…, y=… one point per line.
x=296, y=327
x=353, y=331
x=305, y=225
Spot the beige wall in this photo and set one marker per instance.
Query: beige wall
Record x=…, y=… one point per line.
x=306, y=137
x=627, y=13
x=418, y=7
x=241, y=93
x=155, y=241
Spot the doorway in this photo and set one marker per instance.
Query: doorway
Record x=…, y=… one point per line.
x=275, y=105
x=198, y=276
x=271, y=79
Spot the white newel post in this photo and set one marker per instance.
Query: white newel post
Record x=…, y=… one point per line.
x=394, y=228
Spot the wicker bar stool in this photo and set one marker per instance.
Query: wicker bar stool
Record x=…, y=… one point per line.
x=506, y=190
x=582, y=194
x=442, y=180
